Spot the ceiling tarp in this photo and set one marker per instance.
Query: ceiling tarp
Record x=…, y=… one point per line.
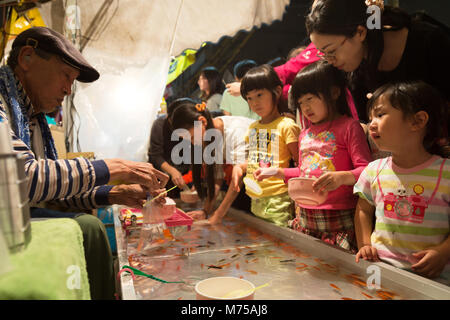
x=209, y=20
x=130, y=42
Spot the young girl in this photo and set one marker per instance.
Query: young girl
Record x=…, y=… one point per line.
x=273, y=142
x=408, y=192
x=211, y=87
x=232, y=130
x=333, y=149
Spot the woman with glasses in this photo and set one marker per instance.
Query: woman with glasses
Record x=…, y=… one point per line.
x=403, y=48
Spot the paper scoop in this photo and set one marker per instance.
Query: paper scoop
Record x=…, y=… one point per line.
x=252, y=185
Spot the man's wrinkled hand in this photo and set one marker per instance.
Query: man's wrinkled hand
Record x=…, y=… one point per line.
x=132, y=172
x=130, y=195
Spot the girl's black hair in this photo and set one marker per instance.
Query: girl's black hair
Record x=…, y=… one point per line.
x=183, y=117
x=214, y=80
x=318, y=79
x=342, y=17
x=176, y=103
x=411, y=97
x=264, y=77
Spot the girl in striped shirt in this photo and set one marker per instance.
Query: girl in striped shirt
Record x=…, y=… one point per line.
x=408, y=192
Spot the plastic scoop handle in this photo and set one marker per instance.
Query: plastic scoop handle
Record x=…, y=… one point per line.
x=158, y=196
x=240, y=292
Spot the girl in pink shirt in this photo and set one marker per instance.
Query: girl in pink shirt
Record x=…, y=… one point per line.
x=333, y=149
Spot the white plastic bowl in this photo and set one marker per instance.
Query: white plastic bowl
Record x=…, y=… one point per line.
x=189, y=196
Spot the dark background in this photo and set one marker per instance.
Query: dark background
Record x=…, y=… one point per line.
x=272, y=43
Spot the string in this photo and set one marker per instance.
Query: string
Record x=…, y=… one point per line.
x=141, y=273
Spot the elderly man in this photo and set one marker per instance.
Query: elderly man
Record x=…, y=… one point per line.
x=40, y=71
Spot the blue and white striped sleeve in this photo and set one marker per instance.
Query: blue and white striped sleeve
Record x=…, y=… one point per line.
x=62, y=179
x=96, y=198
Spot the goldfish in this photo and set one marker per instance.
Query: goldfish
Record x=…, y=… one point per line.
x=335, y=286
x=368, y=296
x=385, y=295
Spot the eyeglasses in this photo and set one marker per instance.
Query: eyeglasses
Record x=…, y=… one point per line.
x=330, y=55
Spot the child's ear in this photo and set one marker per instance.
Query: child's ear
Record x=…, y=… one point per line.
x=420, y=120
x=335, y=93
x=279, y=91
x=203, y=120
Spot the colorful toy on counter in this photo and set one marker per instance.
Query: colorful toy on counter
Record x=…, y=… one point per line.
x=130, y=219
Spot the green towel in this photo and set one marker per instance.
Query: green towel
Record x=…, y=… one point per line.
x=51, y=267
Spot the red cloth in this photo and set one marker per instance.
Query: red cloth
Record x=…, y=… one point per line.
x=188, y=177
x=289, y=70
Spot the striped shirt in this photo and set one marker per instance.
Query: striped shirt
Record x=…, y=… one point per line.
x=409, y=218
x=77, y=183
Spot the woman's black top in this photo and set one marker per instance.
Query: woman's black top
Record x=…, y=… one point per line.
x=426, y=57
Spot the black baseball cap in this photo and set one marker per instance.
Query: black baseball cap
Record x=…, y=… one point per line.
x=51, y=41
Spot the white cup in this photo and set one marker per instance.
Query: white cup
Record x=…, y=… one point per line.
x=225, y=288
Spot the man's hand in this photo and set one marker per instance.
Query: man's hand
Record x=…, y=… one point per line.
x=142, y=173
x=234, y=89
x=130, y=195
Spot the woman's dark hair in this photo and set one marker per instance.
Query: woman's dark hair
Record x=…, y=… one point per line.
x=263, y=77
x=176, y=103
x=411, y=97
x=183, y=117
x=318, y=79
x=214, y=80
x=342, y=17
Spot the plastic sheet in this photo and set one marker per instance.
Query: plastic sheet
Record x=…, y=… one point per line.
x=5, y=264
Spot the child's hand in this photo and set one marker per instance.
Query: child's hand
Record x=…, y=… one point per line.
x=332, y=180
x=197, y=215
x=234, y=88
x=264, y=173
x=215, y=219
x=367, y=253
x=432, y=262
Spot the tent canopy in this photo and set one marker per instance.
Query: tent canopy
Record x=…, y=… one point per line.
x=131, y=44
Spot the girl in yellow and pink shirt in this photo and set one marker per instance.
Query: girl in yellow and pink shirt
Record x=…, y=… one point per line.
x=408, y=193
